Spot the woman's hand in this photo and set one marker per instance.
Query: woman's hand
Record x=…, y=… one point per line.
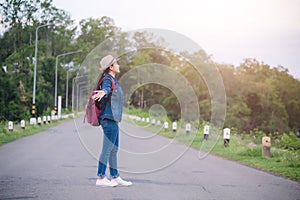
x=98, y=95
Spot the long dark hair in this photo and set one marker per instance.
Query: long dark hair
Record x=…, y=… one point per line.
x=105, y=72
x=100, y=78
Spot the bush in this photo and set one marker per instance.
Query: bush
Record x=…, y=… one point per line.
x=252, y=152
x=290, y=141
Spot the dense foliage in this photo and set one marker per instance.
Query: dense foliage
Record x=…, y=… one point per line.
x=258, y=95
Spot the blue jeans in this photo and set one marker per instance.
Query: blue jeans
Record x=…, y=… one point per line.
x=109, y=148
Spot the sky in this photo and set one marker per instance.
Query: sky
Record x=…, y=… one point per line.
x=229, y=30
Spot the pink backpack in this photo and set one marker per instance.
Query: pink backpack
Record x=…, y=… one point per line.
x=92, y=111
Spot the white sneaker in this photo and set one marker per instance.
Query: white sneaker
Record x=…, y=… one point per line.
x=121, y=182
x=105, y=183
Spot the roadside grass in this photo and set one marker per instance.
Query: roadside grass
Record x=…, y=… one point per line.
x=282, y=162
x=18, y=132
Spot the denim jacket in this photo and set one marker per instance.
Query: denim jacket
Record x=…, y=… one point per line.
x=114, y=107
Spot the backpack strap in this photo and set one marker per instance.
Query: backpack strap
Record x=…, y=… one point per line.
x=113, y=84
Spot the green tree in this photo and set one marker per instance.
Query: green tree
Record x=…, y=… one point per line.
x=21, y=19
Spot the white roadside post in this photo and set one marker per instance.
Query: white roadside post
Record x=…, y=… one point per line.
x=39, y=120
x=147, y=120
x=10, y=126
x=206, y=132
x=32, y=121
x=48, y=119
x=59, y=107
x=174, y=126
x=153, y=122
x=44, y=119
x=22, y=124
x=188, y=128
x=166, y=126
x=226, y=136
x=158, y=123
x=266, y=147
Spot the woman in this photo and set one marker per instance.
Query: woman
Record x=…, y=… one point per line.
x=109, y=118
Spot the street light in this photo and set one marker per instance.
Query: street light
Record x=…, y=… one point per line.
x=64, y=54
x=73, y=94
x=35, y=63
x=67, y=87
x=69, y=66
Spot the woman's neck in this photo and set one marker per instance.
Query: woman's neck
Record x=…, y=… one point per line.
x=112, y=74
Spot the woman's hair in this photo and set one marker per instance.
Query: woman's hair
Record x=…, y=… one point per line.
x=105, y=72
x=100, y=77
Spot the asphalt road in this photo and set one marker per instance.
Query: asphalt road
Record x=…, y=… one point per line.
x=61, y=163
